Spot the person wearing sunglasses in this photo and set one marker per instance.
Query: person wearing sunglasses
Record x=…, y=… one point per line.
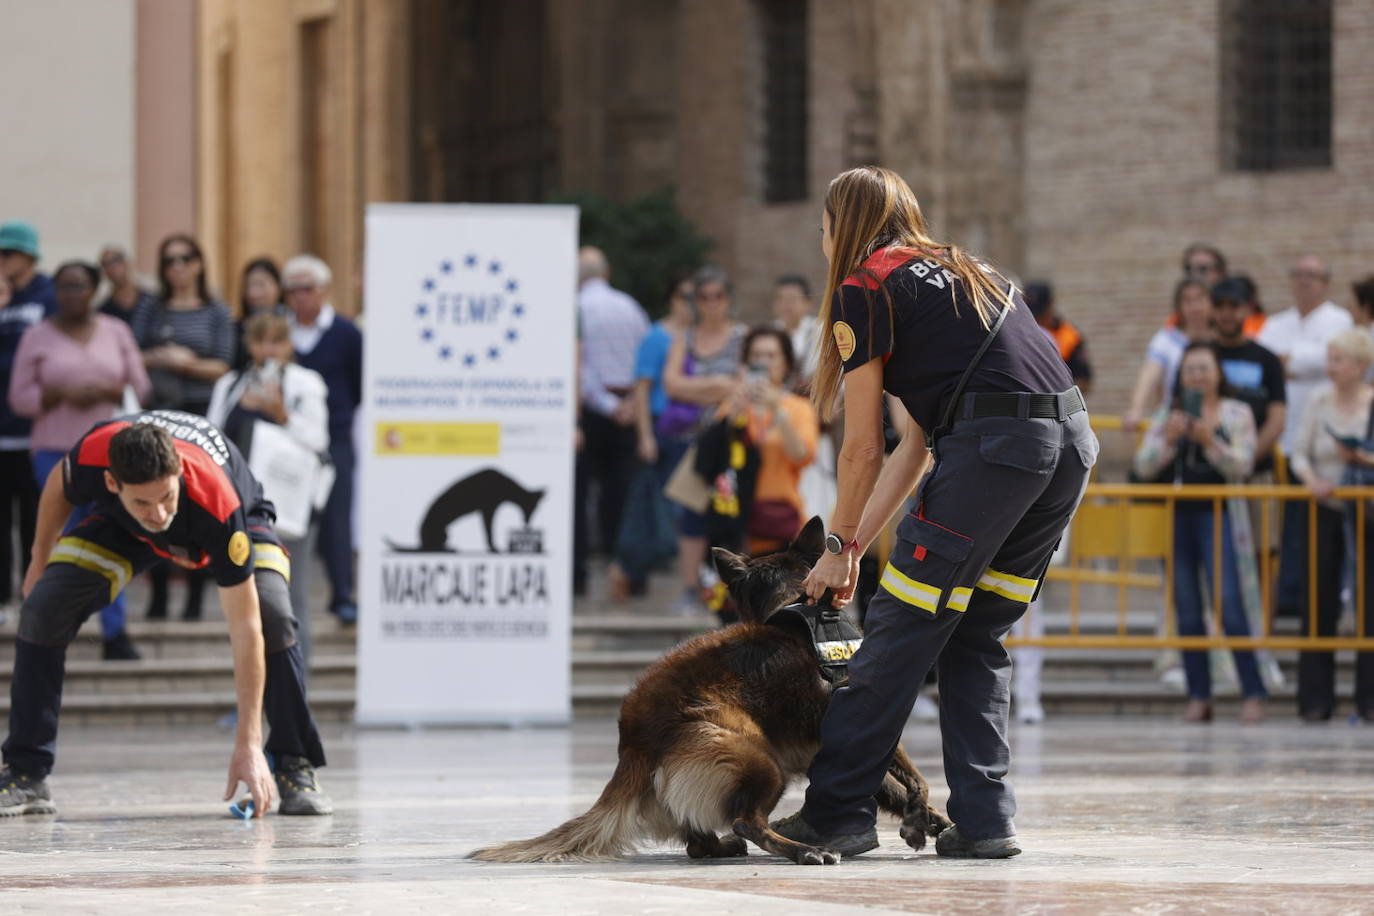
x=1204, y=263
x=187, y=338
x=30, y=298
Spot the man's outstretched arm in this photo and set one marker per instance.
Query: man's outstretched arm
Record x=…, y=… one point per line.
x=247, y=765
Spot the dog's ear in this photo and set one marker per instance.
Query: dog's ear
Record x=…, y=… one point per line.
x=731, y=566
x=811, y=542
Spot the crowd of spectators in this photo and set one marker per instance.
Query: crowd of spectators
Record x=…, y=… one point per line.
x=1234, y=395
x=284, y=358
x=695, y=431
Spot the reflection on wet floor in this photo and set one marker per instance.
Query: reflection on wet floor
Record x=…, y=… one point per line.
x=1117, y=815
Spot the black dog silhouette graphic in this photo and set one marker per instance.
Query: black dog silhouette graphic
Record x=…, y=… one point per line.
x=482, y=492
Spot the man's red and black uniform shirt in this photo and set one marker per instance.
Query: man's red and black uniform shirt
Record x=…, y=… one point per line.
x=221, y=510
x=917, y=317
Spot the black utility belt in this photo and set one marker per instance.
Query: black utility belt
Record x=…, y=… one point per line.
x=1022, y=405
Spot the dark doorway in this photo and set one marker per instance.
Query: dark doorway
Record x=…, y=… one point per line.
x=483, y=130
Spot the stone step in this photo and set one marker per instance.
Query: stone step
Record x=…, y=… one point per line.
x=116, y=680
x=1059, y=697
x=608, y=668
x=177, y=639
x=179, y=707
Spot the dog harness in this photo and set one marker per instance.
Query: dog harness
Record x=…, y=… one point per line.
x=834, y=637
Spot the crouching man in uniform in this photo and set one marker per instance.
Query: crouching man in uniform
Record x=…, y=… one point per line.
x=163, y=484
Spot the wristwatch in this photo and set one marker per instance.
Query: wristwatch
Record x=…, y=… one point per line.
x=836, y=545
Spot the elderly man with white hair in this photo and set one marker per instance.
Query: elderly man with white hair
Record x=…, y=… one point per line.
x=1298, y=337
x=330, y=344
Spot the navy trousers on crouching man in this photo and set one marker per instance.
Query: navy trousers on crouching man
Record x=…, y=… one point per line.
x=969, y=557
x=89, y=566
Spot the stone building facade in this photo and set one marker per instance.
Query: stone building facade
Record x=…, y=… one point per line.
x=1080, y=141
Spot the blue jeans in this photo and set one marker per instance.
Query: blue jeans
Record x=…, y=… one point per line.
x=1193, y=561
x=112, y=615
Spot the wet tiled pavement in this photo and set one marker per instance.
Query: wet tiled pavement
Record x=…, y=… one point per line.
x=1117, y=815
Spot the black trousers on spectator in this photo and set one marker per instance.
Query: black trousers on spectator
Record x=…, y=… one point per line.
x=1292, y=586
x=606, y=462
x=91, y=564
x=1317, y=670
x=336, y=522
x=18, y=502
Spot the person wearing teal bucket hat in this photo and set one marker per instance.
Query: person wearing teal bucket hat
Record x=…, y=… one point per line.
x=31, y=300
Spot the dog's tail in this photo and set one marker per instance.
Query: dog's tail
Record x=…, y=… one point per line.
x=603, y=832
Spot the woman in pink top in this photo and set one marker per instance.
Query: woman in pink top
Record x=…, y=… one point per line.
x=70, y=373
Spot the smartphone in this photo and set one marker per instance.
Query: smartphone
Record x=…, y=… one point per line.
x=1192, y=402
x=757, y=373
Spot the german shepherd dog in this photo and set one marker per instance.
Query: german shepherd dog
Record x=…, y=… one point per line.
x=713, y=732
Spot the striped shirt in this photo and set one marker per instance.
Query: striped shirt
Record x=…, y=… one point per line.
x=208, y=331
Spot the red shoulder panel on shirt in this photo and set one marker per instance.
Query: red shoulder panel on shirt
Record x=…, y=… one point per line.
x=207, y=484
x=879, y=265
x=95, y=447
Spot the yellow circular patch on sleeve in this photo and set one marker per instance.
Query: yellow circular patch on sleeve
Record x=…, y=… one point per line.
x=238, y=548
x=844, y=339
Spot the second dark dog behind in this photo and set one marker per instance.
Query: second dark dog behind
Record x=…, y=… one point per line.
x=714, y=731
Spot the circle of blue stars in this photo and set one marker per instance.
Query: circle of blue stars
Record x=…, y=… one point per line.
x=472, y=265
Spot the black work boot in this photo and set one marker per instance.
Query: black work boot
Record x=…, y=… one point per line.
x=794, y=828
x=299, y=790
x=24, y=794
x=954, y=845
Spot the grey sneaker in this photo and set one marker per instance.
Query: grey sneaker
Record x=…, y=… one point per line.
x=846, y=844
x=23, y=794
x=952, y=844
x=299, y=790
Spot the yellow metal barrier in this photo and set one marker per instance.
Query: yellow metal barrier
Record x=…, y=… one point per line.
x=1127, y=523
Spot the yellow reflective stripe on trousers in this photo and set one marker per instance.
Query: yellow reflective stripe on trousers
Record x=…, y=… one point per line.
x=958, y=599
x=91, y=556
x=270, y=556
x=910, y=591
x=1017, y=588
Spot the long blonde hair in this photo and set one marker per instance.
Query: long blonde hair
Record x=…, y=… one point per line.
x=871, y=209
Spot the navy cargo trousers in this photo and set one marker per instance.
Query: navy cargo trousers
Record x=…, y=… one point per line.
x=90, y=565
x=970, y=554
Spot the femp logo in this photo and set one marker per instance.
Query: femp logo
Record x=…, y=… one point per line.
x=469, y=310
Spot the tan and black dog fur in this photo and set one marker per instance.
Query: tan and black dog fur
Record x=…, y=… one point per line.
x=714, y=731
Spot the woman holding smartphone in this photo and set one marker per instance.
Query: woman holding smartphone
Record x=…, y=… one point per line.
x=783, y=427
x=1207, y=436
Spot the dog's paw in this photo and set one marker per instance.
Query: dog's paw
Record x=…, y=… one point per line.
x=818, y=857
x=733, y=846
x=914, y=835
x=728, y=847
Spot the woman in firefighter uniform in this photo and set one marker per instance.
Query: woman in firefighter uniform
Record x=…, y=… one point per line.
x=1000, y=445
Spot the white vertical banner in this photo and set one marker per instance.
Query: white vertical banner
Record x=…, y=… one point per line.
x=465, y=507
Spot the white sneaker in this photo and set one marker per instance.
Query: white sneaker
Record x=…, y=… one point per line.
x=1031, y=713
x=925, y=710
x=1174, y=678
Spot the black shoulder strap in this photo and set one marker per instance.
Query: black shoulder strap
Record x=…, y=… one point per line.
x=953, y=402
x=1369, y=424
